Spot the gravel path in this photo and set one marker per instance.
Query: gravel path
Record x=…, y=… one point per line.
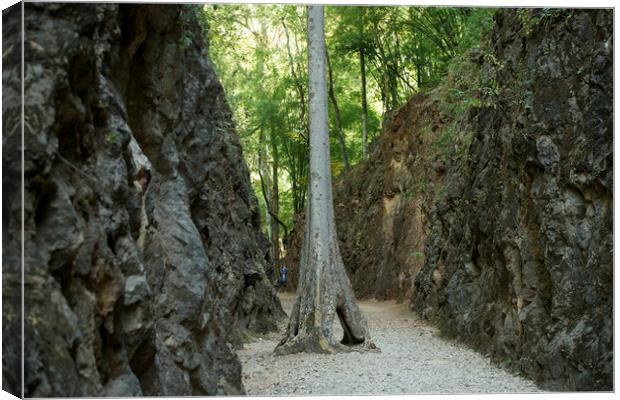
x=413, y=360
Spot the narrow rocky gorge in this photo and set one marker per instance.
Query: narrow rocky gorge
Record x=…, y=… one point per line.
x=145, y=261
x=485, y=208
x=506, y=243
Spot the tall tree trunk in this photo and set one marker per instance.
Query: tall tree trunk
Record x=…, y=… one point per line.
x=299, y=195
x=265, y=178
x=332, y=96
x=324, y=290
x=296, y=155
x=298, y=84
x=393, y=80
x=364, y=106
x=304, y=178
x=275, y=203
x=273, y=221
x=262, y=141
x=394, y=56
x=419, y=75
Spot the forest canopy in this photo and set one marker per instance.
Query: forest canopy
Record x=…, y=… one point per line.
x=377, y=57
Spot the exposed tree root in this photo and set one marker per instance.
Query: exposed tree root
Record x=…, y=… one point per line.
x=319, y=344
x=305, y=335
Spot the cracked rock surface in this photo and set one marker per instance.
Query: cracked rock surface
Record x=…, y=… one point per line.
x=145, y=261
x=519, y=261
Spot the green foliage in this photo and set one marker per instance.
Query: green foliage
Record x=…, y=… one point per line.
x=112, y=137
x=249, y=47
x=525, y=16
x=466, y=86
x=454, y=141
x=420, y=186
x=186, y=40
x=259, y=52
x=531, y=17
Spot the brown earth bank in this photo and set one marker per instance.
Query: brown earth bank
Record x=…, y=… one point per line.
x=504, y=237
x=145, y=262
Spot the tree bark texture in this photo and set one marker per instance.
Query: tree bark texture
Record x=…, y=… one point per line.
x=265, y=179
x=275, y=203
x=324, y=290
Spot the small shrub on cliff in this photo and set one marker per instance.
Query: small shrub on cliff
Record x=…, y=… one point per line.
x=186, y=40
x=530, y=17
x=111, y=137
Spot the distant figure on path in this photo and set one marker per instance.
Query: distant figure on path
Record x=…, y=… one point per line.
x=283, y=277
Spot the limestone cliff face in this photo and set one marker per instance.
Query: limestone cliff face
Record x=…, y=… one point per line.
x=144, y=257
x=519, y=259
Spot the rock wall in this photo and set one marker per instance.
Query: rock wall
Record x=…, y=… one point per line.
x=144, y=258
x=519, y=261
x=11, y=203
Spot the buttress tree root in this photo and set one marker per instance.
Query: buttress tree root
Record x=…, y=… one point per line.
x=324, y=293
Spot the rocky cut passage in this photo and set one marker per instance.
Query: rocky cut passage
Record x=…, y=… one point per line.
x=497, y=223
x=145, y=260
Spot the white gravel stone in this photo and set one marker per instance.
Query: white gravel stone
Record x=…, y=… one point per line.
x=413, y=360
